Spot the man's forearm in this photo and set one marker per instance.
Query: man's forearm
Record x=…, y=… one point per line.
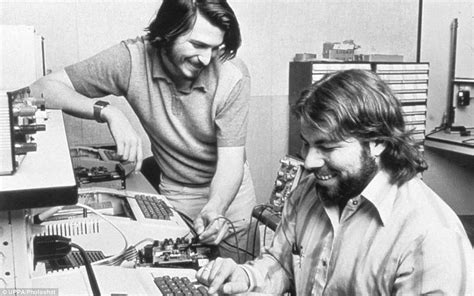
x=227, y=179
x=224, y=188
x=259, y=279
x=59, y=95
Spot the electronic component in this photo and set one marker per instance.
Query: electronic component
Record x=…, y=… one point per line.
x=464, y=96
x=113, y=178
x=145, y=208
x=177, y=253
x=17, y=123
x=113, y=280
x=97, y=166
x=288, y=176
x=119, y=206
x=72, y=260
x=153, y=207
x=45, y=177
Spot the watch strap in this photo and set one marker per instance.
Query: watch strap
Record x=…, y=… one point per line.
x=98, y=106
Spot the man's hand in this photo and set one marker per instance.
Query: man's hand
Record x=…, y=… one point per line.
x=59, y=93
x=128, y=142
x=211, y=227
x=225, y=276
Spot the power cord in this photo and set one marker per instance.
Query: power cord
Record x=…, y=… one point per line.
x=90, y=271
x=47, y=247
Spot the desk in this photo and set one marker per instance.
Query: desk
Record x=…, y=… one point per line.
x=137, y=182
x=451, y=142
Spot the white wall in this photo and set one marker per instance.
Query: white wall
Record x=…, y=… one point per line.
x=438, y=17
x=449, y=175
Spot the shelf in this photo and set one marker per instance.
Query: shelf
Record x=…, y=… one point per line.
x=463, y=80
x=414, y=113
x=450, y=141
x=413, y=102
x=408, y=81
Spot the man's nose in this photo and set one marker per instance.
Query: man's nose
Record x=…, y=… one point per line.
x=314, y=159
x=205, y=56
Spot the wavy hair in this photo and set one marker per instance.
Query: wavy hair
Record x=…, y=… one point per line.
x=177, y=17
x=357, y=103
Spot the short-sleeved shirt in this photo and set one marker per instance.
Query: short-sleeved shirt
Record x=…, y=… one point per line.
x=185, y=129
x=390, y=240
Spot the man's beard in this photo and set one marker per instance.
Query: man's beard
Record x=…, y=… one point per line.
x=352, y=185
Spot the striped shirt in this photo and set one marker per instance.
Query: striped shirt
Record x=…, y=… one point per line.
x=390, y=240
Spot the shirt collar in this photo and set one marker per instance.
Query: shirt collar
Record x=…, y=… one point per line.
x=381, y=193
x=158, y=70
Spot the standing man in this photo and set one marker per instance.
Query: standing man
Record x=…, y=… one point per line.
x=362, y=222
x=192, y=99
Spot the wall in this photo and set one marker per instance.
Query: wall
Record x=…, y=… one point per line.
x=438, y=17
x=273, y=31
x=449, y=175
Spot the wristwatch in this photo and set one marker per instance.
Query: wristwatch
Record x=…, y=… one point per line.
x=98, y=106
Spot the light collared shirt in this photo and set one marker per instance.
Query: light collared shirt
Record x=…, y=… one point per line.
x=390, y=240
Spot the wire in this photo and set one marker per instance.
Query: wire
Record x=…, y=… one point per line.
x=265, y=234
x=114, y=260
x=288, y=273
x=189, y=222
x=435, y=130
x=238, y=248
x=469, y=142
x=265, y=207
x=148, y=239
x=90, y=271
x=234, y=232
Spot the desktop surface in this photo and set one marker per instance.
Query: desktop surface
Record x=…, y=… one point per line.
x=452, y=141
x=115, y=280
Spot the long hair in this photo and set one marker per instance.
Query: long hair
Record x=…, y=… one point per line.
x=357, y=103
x=177, y=17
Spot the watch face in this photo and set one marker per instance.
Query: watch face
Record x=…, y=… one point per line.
x=102, y=104
x=98, y=106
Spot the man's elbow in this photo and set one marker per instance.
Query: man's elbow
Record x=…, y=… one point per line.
x=43, y=86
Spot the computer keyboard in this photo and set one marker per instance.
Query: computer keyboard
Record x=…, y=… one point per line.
x=173, y=286
x=153, y=207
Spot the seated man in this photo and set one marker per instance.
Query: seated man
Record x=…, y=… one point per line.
x=362, y=222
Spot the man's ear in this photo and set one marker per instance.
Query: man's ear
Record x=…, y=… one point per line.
x=376, y=148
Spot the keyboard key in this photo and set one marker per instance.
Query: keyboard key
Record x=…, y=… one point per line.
x=179, y=286
x=153, y=207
